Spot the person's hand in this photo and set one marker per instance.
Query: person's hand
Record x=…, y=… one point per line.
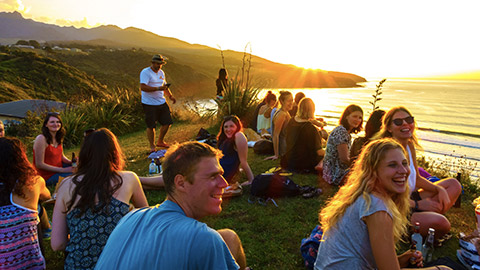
x=411, y=258
x=416, y=258
x=271, y=158
x=173, y=99
x=429, y=205
x=443, y=197
x=68, y=169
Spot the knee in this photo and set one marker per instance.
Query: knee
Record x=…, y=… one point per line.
x=441, y=225
x=229, y=236
x=453, y=186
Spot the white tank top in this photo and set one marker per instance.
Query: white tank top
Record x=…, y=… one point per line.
x=412, y=178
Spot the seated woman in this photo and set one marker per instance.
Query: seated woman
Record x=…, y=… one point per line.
x=304, y=143
x=372, y=126
x=263, y=117
x=233, y=144
x=20, y=191
x=48, y=157
x=429, y=201
x=90, y=203
x=337, y=159
x=367, y=217
x=280, y=119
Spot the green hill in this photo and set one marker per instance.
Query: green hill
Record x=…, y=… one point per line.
x=28, y=75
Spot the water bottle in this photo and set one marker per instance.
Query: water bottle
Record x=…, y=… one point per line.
x=428, y=245
x=74, y=160
x=152, y=168
x=417, y=238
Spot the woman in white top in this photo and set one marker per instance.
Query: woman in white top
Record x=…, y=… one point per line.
x=428, y=200
x=263, y=117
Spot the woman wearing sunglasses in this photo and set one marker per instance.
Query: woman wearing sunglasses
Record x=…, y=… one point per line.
x=428, y=200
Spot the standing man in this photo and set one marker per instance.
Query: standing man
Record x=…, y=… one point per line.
x=154, y=89
x=170, y=235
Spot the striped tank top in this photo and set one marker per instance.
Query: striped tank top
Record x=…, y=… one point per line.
x=19, y=246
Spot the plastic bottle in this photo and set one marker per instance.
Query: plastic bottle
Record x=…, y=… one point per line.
x=159, y=165
x=428, y=245
x=417, y=238
x=74, y=160
x=152, y=168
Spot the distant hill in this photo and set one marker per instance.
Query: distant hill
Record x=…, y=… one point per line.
x=191, y=68
x=27, y=75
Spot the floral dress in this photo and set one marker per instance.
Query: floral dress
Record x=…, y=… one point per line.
x=333, y=169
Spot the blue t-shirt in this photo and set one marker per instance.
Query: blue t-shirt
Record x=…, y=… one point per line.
x=347, y=245
x=163, y=237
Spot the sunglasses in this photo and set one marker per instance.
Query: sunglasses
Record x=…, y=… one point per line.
x=399, y=121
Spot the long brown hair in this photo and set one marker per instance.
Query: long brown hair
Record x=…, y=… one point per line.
x=59, y=135
x=344, y=121
x=15, y=169
x=221, y=134
x=99, y=161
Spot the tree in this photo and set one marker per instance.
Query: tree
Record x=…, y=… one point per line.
x=34, y=43
x=22, y=42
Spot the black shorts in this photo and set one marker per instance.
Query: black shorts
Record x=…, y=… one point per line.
x=157, y=113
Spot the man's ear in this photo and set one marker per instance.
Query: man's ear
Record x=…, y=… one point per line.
x=180, y=182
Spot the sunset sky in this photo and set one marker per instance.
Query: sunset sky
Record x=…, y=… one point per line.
x=369, y=38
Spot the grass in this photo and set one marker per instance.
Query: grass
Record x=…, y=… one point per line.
x=271, y=236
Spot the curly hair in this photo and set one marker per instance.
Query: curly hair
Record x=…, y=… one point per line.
x=362, y=182
x=99, y=161
x=15, y=169
x=45, y=132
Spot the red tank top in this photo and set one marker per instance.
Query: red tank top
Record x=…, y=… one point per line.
x=53, y=157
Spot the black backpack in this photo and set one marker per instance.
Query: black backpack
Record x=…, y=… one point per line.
x=273, y=185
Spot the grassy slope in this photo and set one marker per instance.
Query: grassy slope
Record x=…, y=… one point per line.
x=271, y=236
x=27, y=75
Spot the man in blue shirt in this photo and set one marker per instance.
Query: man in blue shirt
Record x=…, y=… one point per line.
x=169, y=235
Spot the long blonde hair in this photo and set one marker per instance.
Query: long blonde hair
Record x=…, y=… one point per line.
x=362, y=182
x=387, y=121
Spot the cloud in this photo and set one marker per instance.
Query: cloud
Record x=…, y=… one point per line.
x=77, y=24
x=13, y=5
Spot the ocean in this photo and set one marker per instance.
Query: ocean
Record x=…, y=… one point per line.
x=444, y=111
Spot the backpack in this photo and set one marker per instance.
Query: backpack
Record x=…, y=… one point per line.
x=309, y=246
x=263, y=147
x=273, y=185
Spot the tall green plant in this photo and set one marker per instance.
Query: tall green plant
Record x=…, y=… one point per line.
x=240, y=96
x=376, y=96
